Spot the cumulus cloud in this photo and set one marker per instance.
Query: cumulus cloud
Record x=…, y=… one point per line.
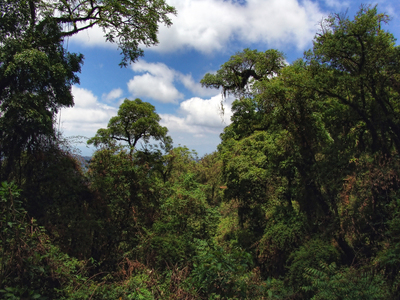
x=209, y=25
x=200, y=116
x=193, y=86
x=113, y=95
x=199, y=122
x=83, y=98
x=91, y=37
x=158, y=82
x=206, y=113
x=87, y=116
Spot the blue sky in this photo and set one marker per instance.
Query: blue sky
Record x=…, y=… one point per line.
x=204, y=34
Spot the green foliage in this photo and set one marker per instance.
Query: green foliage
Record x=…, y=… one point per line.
x=126, y=23
x=36, y=75
x=300, y=202
x=367, y=206
x=226, y=274
x=30, y=266
x=355, y=62
x=57, y=195
x=230, y=233
x=135, y=120
x=294, y=140
x=329, y=282
x=180, y=161
x=285, y=231
x=310, y=255
x=134, y=288
x=36, y=72
x=388, y=258
x=242, y=69
x=127, y=203
x=137, y=282
x=185, y=216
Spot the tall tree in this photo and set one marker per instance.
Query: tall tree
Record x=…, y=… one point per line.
x=236, y=75
x=36, y=72
x=357, y=63
x=129, y=23
x=135, y=120
x=310, y=153
x=36, y=75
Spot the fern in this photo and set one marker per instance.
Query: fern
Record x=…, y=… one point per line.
x=332, y=283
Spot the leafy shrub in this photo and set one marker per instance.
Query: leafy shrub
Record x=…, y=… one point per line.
x=30, y=266
x=310, y=255
x=134, y=288
x=284, y=232
x=388, y=258
x=328, y=282
x=184, y=217
x=217, y=272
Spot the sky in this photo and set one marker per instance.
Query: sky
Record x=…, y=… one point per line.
x=204, y=35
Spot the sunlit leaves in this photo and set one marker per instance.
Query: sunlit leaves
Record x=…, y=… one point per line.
x=136, y=120
x=238, y=74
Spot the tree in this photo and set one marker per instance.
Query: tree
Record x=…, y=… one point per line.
x=135, y=120
x=36, y=75
x=236, y=75
x=357, y=63
x=36, y=72
x=129, y=23
x=170, y=163
x=310, y=159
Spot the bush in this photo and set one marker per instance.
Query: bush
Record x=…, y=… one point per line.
x=31, y=267
x=217, y=273
x=310, y=255
x=328, y=282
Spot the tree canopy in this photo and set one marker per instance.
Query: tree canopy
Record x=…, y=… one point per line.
x=128, y=23
x=135, y=120
x=301, y=200
x=36, y=72
x=236, y=75
x=357, y=63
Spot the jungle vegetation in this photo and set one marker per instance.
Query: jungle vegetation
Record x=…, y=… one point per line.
x=301, y=200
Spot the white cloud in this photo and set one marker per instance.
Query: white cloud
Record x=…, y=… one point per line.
x=209, y=25
x=199, y=116
x=193, y=86
x=337, y=4
x=83, y=98
x=87, y=116
x=206, y=113
x=91, y=37
x=158, y=80
x=157, y=69
x=113, y=95
x=199, y=122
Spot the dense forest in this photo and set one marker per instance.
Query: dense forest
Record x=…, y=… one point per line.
x=300, y=201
